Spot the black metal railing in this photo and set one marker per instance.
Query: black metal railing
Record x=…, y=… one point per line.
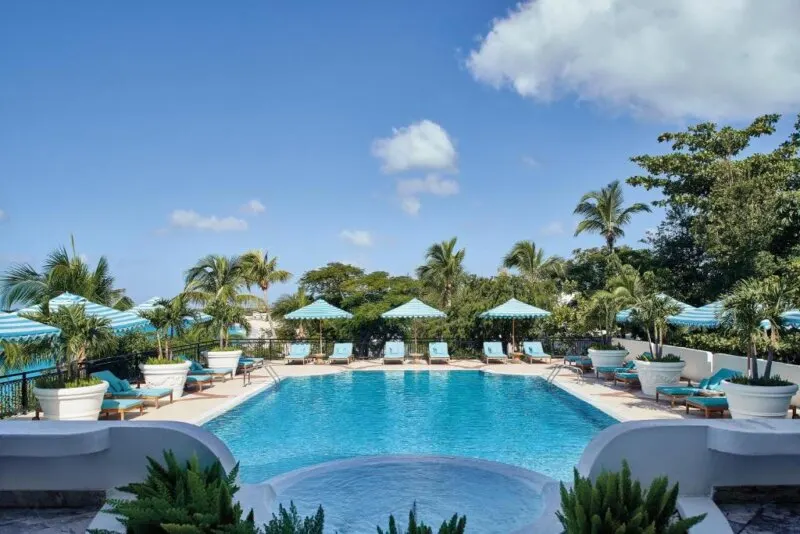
x=16, y=390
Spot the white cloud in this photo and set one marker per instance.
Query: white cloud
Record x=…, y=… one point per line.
x=3, y=215
x=192, y=219
x=409, y=190
x=672, y=58
x=359, y=238
x=421, y=145
x=253, y=207
x=410, y=205
x=553, y=228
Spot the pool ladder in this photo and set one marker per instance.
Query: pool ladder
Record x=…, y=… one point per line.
x=273, y=374
x=558, y=367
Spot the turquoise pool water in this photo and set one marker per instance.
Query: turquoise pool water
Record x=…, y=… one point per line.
x=522, y=421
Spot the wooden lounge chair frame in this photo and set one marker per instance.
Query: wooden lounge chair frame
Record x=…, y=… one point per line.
x=122, y=410
x=630, y=382
x=708, y=410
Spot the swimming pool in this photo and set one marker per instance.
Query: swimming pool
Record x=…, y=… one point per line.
x=521, y=421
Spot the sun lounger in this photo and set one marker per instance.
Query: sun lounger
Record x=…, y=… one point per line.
x=120, y=406
x=250, y=363
x=626, y=377
x=121, y=389
x=342, y=353
x=706, y=386
x=493, y=350
x=533, y=350
x=709, y=405
x=299, y=352
x=629, y=367
x=198, y=382
x=437, y=352
x=195, y=369
x=394, y=352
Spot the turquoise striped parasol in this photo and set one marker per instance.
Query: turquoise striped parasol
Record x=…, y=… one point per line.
x=318, y=310
x=121, y=322
x=514, y=309
x=15, y=328
x=414, y=309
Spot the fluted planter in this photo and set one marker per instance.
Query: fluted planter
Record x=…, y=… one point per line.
x=171, y=375
x=71, y=404
x=607, y=358
x=758, y=402
x=653, y=374
x=223, y=359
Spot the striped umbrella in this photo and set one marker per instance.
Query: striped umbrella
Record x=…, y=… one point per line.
x=625, y=315
x=791, y=318
x=514, y=309
x=413, y=309
x=708, y=316
x=121, y=322
x=15, y=328
x=318, y=310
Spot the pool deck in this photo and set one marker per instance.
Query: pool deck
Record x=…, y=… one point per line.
x=619, y=402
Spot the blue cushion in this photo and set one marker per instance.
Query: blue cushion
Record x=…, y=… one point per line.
x=124, y=385
x=117, y=404
x=710, y=402
x=107, y=376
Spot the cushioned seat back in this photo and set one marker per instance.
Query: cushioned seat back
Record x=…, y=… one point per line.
x=299, y=349
x=394, y=348
x=114, y=383
x=343, y=349
x=715, y=380
x=492, y=348
x=438, y=349
x=533, y=347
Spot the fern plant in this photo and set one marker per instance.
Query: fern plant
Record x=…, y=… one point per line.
x=183, y=499
x=615, y=504
x=289, y=522
x=456, y=525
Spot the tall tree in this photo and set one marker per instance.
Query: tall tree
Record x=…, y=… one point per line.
x=604, y=213
x=529, y=260
x=261, y=270
x=442, y=270
x=170, y=318
x=62, y=272
x=216, y=277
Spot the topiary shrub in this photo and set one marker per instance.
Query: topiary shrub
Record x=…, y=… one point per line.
x=456, y=525
x=183, y=499
x=289, y=522
x=616, y=505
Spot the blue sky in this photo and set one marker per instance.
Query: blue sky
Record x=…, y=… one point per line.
x=148, y=129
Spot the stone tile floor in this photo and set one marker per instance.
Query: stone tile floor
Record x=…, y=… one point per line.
x=770, y=518
x=46, y=520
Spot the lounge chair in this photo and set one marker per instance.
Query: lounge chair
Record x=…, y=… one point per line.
x=629, y=378
x=250, y=363
x=120, y=406
x=437, y=352
x=342, y=352
x=712, y=384
x=493, y=350
x=709, y=405
x=299, y=352
x=198, y=382
x=394, y=352
x=629, y=367
x=533, y=350
x=121, y=389
x=195, y=369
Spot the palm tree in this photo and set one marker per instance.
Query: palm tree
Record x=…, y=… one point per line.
x=158, y=318
x=743, y=312
x=62, y=272
x=15, y=357
x=528, y=260
x=223, y=316
x=216, y=277
x=652, y=311
x=601, y=312
x=288, y=303
x=169, y=317
x=443, y=269
x=263, y=271
x=603, y=213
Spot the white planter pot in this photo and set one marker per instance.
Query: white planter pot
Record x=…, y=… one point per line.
x=750, y=402
x=171, y=375
x=71, y=404
x=654, y=374
x=226, y=359
x=607, y=358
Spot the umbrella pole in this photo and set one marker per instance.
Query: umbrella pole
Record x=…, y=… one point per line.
x=414, y=325
x=513, y=322
x=320, y=336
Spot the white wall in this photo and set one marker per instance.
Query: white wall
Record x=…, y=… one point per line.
x=698, y=362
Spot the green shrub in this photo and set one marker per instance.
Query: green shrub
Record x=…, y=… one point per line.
x=225, y=349
x=772, y=381
x=666, y=358
x=161, y=361
x=615, y=504
x=289, y=522
x=176, y=499
x=60, y=382
x=456, y=525
x=606, y=346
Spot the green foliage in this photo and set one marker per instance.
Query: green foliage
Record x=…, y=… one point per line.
x=606, y=346
x=224, y=314
x=226, y=349
x=183, y=499
x=456, y=525
x=771, y=381
x=161, y=361
x=603, y=213
x=289, y=522
x=668, y=358
x=615, y=504
x=59, y=382
x=443, y=270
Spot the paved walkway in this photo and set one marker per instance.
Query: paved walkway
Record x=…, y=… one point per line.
x=620, y=402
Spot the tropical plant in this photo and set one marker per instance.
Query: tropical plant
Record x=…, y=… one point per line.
x=528, y=260
x=651, y=312
x=188, y=498
x=778, y=296
x=456, y=525
x=603, y=213
x=261, y=270
x=81, y=335
x=62, y=272
x=218, y=278
x=289, y=522
x=15, y=356
x=615, y=504
x=288, y=303
x=601, y=312
x=224, y=315
x=443, y=270
x=170, y=318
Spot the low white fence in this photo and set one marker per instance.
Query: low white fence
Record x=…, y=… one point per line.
x=701, y=363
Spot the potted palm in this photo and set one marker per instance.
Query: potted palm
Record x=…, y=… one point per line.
x=751, y=303
x=66, y=396
x=656, y=369
x=225, y=315
x=168, y=317
x=602, y=312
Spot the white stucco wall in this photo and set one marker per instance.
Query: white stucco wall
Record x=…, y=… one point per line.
x=698, y=362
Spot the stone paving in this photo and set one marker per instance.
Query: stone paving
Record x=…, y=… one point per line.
x=46, y=520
